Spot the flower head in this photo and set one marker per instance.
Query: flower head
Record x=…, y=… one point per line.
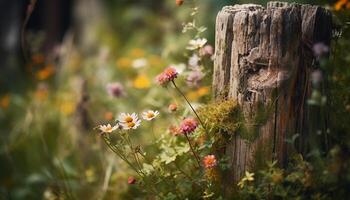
x=107, y=128
x=169, y=74
x=150, y=115
x=179, y=2
x=115, y=89
x=207, y=50
x=131, y=180
x=172, y=107
x=247, y=178
x=129, y=121
x=209, y=161
x=196, y=43
x=188, y=125
x=194, y=78
x=141, y=82
x=320, y=49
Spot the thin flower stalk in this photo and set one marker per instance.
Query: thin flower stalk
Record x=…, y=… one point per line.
x=188, y=102
x=192, y=149
x=134, y=153
x=118, y=152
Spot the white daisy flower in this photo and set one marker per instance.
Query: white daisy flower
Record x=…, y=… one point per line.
x=107, y=128
x=129, y=121
x=150, y=115
x=196, y=44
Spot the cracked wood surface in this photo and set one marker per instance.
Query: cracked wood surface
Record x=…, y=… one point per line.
x=263, y=57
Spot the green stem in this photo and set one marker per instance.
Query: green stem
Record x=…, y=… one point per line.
x=188, y=102
x=117, y=151
x=194, y=153
x=134, y=153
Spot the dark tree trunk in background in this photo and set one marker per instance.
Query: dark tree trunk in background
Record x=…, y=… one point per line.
x=10, y=24
x=263, y=60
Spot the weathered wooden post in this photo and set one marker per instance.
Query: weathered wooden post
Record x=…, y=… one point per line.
x=263, y=60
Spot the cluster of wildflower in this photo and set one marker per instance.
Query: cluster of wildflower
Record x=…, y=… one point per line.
x=200, y=49
x=128, y=121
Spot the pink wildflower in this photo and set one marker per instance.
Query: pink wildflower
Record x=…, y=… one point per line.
x=169, y=74
x=194, y=78
x=320, y=49
x=209, y=161
x=188, y=125
x=131, y=180
x=115, y=89
x=207, y=50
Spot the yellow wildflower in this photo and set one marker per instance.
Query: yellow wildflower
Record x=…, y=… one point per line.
x=124, y=62
x=141, y=82
x=247, y=178
x=67, y=107
x=202, y=91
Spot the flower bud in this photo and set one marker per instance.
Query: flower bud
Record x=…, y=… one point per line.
x=131, y=180
x=172, y=107
x=179, y=2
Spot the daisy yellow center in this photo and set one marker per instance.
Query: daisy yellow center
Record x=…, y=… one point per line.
x=150, y=115
x=131, y=124
x=108, y=128
x=128, y=119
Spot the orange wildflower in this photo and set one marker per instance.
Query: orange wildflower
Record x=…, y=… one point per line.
x=209, y=161
x=45, y=73
x=340, y=4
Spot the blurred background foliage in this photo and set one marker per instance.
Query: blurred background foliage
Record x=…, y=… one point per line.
x=53, y=91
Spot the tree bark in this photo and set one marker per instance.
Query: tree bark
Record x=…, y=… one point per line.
x=263, y=60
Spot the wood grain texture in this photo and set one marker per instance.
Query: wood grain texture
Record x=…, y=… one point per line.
x=263, y=60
